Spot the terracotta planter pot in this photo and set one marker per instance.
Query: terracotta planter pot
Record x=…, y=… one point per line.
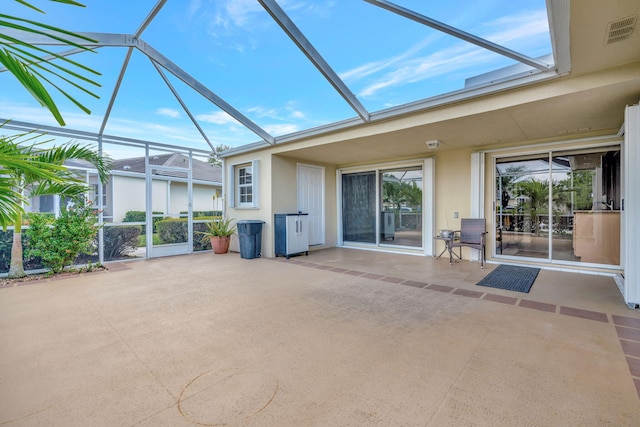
x=220, y=244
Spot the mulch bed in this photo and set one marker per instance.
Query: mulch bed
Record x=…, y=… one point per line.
x=44, y=277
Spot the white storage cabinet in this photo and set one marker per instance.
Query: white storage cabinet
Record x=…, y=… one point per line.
x=291, y=234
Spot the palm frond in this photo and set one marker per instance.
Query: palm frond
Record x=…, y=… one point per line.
x=63, y=189
x=12, y=42
x=15, y=55
x=10, y=203
x=31, y=83
x=59, y=155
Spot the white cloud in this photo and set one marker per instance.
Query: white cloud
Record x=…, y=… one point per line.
x=377, y=66
x=193, y=7
x=217, y=117
x=519, y=27
x=295, y=114
x=241, y=12
x=168, y=112
x=407, y=67
x=281, y=129
x=261, y=112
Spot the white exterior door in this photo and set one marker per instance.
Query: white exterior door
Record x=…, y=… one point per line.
x=311, y=200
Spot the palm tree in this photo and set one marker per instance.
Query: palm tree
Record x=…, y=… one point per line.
x=537, y=193
x=393, y=194
x=42, y=172
x=413, y=194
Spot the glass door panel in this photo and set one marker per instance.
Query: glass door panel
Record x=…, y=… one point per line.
x=359, y=207
x=586, y=214
x=522, y=206
x=401, y=210
x=170, y=200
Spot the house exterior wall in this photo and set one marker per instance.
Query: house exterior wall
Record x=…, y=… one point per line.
x=452, y=187
x=505, y=116
x=264, y=197
x=277, y=193
x=129, y=194
x=284, y=200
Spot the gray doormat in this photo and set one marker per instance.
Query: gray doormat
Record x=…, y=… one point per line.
x=511, y=278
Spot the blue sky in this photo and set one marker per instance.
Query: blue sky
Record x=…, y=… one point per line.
x=238, y=52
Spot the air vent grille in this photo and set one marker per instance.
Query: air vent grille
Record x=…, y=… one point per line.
x=621, y=29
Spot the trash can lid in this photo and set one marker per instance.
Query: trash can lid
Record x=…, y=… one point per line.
x=250, y=221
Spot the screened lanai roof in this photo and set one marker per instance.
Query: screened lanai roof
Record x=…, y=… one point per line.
x=201, y=73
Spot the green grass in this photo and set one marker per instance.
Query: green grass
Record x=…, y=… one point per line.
x=142, y=240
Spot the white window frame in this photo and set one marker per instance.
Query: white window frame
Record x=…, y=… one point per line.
x=96, y=195
x=234, y=185
x=244, y=176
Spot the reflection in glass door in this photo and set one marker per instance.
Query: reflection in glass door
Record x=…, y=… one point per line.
x=401, y=210
x=561, y=206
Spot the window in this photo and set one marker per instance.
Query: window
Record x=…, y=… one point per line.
x=95, y=193
x=243, y=185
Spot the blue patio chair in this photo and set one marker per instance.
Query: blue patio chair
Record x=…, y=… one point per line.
x=471, y=234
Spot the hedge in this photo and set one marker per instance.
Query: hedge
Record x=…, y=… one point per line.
x=174, y=230
x=199, y=214
x=141, y=216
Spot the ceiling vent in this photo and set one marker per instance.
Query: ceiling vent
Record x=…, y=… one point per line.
x=621, y=29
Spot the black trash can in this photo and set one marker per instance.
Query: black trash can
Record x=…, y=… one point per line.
x=250, y=234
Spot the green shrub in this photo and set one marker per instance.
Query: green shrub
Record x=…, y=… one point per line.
x=120, y=241
x=175, y=230
x=172, y=230
x=141, y=216
x=59, y=242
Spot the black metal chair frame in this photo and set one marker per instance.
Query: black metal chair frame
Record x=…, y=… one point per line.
x=472, y=234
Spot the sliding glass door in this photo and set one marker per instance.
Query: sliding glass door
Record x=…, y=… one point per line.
x=560, y=206
x=383, y=207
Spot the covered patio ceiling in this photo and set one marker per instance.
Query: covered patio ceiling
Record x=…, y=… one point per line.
x=474, y=110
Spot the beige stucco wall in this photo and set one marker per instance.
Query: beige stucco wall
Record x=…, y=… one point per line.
x=453, y=184
x=277, y=181
x=452, y=188
x=284, y=195
x=263, y=212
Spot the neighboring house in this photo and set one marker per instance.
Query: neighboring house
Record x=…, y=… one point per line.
x=464, y=145
x=126, y=188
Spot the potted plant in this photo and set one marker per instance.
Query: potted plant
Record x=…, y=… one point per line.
x=219, y=232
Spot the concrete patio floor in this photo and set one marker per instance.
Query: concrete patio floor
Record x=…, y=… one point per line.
x=339, y=338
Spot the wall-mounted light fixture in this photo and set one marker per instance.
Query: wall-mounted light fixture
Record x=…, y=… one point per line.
x=433, y=144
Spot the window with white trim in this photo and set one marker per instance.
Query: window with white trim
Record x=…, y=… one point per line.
x=243, y=185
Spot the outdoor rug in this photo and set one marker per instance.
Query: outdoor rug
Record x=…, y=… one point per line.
x=511, y=278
